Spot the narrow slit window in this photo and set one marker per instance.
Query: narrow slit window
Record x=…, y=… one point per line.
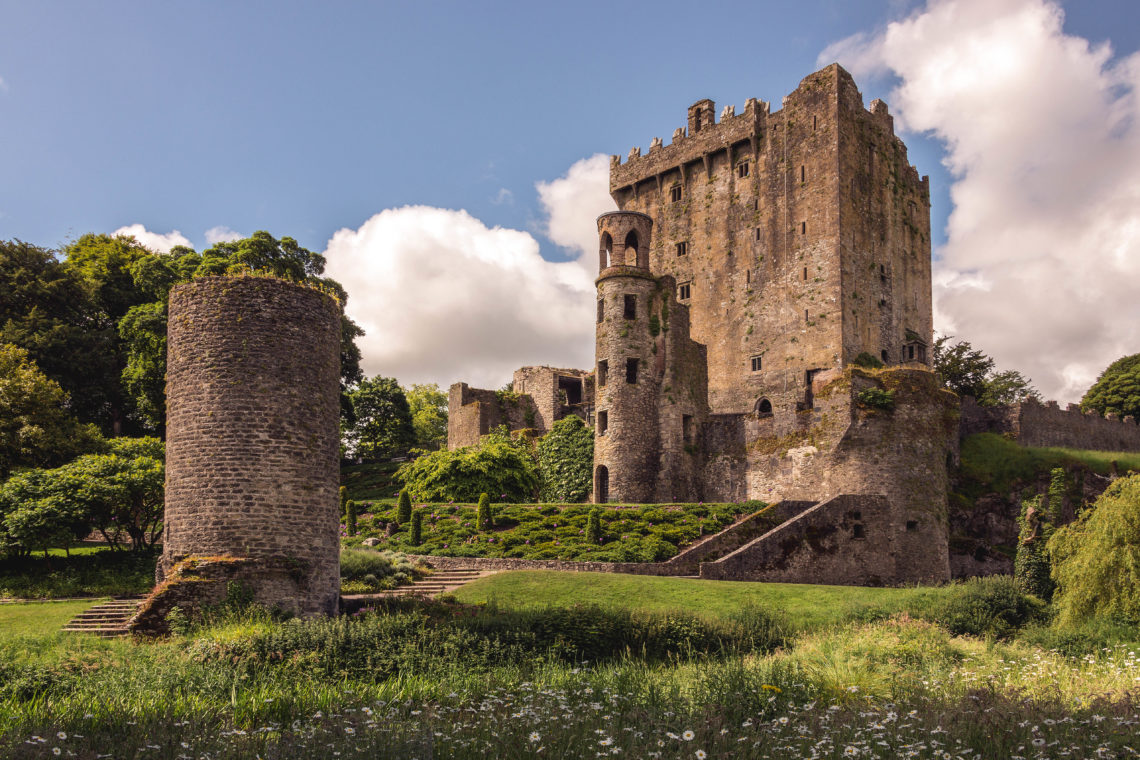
x=630, y=306
x=603, y=373
x=806, y=318
x=631, y=371
x=805, y=274
x=601, y=310
x=803, y=173
x=603, y=422
x=687, y=428
x=675, y=193
x=682, y=248
x=747, y=276
x=757, y=233
x=803, y=228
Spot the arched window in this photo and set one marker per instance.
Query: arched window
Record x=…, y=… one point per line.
x=631, y=248
x=601, y=485
x=606, y=251
x=763, y=408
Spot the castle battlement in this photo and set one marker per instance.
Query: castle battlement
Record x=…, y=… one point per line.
x=1035, y=423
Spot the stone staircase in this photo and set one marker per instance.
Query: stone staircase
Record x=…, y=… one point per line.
x=439, y=582
x=106, y=619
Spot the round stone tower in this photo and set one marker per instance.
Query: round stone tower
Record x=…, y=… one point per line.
x=626, y=429
x=252, y=443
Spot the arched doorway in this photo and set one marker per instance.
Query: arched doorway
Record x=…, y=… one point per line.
x=601, y=485
x=763, y=408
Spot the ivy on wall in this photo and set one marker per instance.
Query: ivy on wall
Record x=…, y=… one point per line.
x=566, y=462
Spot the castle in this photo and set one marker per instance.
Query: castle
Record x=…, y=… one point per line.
x=759, y=270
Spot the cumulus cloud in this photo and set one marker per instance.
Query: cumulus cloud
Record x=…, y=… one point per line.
x=1042, y=137
x=156, y=241
x=221, y=234
x=444, y=297
x=572, y=204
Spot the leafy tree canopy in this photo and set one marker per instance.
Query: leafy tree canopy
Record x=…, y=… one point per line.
x=970, y=372
x=1117, y=389
x=36, y=428
x=383, y=426
x=1096, y=560
x=428, y=405
x=498, y=465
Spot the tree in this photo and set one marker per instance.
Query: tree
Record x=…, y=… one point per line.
x=36, y=429
x=403, y=507
x=566, y=461
x=495, y=466
x=970, y=372
x=1117, y=390
x=383, y=426
x=143, y=334
x=1096, y=560
x=428, y=405
x=483, y=513
x=35, y=513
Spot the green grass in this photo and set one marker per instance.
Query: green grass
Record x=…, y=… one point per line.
x=371, y=482
x=38, y=619
x=88, y=573
x=993, y=464
x=805, y=606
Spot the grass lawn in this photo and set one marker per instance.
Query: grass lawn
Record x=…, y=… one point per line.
x=805, y=606
x=38, y=618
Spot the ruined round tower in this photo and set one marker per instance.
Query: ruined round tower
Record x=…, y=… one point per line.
x=626, y=429
x=252, y=447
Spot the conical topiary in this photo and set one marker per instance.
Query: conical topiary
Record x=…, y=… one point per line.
x=404, y=508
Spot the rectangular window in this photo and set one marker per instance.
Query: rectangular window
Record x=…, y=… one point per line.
x=603, y=372
x=805, y=274
x=631, y=371
x=803, y=173
x=675, y=193
x=757, y=363
x=758, y=233
x=682, y=248
x=630, y=306
x=803, y=228
x=806, y=317
x=601, y=310
x=603, y=422
x=742, y=169
x=684, y=291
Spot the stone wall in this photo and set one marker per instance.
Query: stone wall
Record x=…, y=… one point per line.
x=474, y=412
x=739, y=533
x=1032, y=423
x=840, y=542
x=253, y=424
x=509, y=563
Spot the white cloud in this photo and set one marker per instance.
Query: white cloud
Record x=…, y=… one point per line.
x=572, y=204
x=503, y=196
x=154, y=240
x=3, y=85
x=443, y=297
x=1042, y=136
x=221, y=234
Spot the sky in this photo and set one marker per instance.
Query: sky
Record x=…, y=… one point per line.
x=449, y=158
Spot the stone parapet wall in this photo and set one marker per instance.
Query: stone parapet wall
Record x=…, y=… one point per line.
x=1032, y=423
x=474, y=412
x=739, y=533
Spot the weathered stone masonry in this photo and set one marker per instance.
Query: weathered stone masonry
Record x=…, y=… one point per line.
x=252, y=449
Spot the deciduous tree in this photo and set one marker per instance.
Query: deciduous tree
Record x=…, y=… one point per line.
x=1117, y=389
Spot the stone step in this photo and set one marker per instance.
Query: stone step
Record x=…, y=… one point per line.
x=108, y=619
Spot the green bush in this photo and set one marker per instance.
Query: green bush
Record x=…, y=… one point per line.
x=1096, y=560
x=876, y=398
x=498, y=465
x=483, y=513
x=417, y=535
x=350, y=517
x=100, y=573
x=364, y=570
x=594, y=527
x=1036, y=524
x=864, y=359
x=403, y=508
x=994, y=605
x=566, y=462
x=343, y=492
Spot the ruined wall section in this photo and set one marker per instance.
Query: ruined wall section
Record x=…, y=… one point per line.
x=253, y=444
x=1032, y=423
x=553, y=400
x=884, y=215
x=474, y=412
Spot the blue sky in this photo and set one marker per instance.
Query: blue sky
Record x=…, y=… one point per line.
x=308, y=118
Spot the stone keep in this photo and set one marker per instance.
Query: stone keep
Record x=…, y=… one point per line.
x=252, y=448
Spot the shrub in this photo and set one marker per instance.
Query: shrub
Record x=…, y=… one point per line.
x=403, y=508
x=864, y=359
x=350, y=517
x=483, y=519
x=566, y=461
x=497, y=465
x=343, y=500
x=417, y=536
x=1096, y=560
x=594, y=527
x=876, y=398
x=980, y=606
x=1036, y=523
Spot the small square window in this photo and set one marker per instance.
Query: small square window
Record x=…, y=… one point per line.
x=912, y=525
x=601, y=310
x=742, y=169
x=684, y=291
x=682, y=248
x=603, y=373
x=603, y=422
x=675, y=193
x=757, y=363
x=631, y=371
x=630, y=306
x=858, y=532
